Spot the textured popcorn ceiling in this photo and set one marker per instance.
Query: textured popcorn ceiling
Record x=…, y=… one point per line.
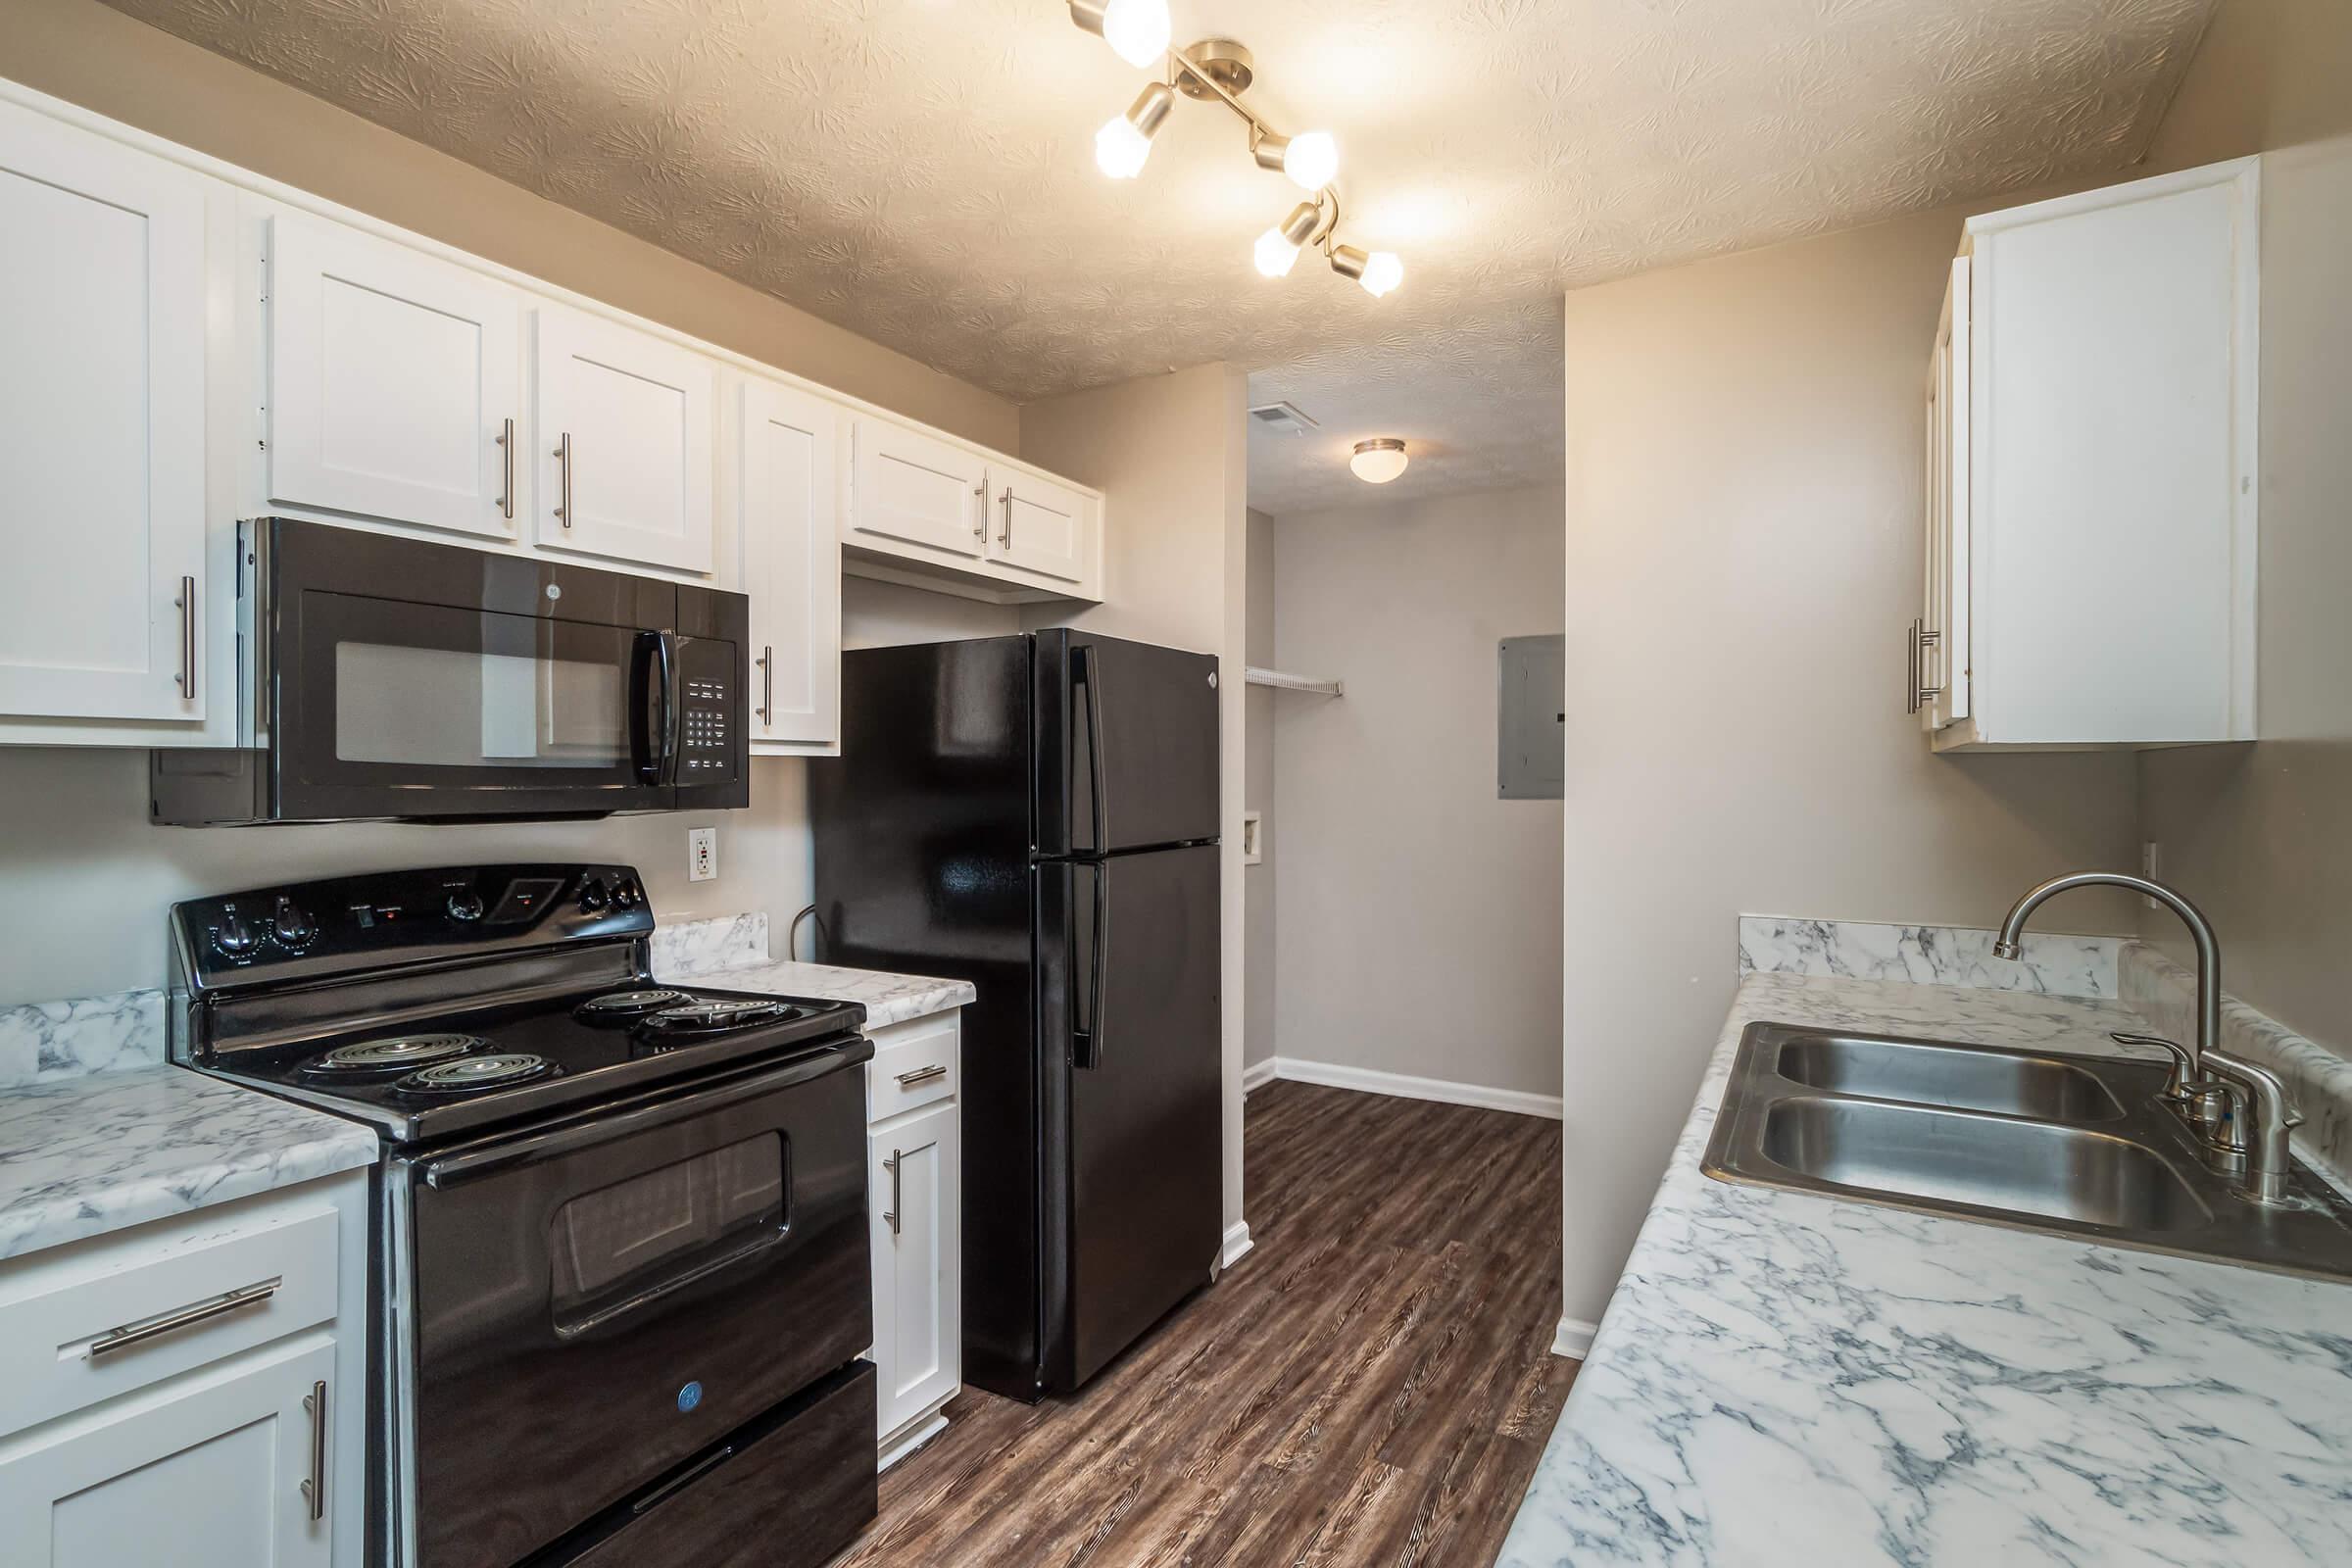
x=921, y=170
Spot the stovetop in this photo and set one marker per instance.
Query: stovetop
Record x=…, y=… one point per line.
x=470, y=1068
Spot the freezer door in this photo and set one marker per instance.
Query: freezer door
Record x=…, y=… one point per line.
x=1126, y=744
x=1145, y=1113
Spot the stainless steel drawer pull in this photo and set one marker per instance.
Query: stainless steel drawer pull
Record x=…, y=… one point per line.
x=145, y=1329
x=187, y=605
x=922, y=1075
x=314, y=1490
x=564, y=462
x=506, y=442
x=890, y=1215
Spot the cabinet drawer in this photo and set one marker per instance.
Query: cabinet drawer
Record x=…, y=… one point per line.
x=154, y=1303
x=915, y=1064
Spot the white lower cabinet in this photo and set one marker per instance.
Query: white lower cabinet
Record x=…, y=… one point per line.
x=220, y=1464
x=191, y=1391
x=915, y=1200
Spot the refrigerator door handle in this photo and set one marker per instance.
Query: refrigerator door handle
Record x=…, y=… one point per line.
x=1084, y=671
x=1085, y=1038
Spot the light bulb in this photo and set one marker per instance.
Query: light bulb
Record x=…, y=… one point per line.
x=1276, y=254
x=1311, y=159
x=1136, y=30
x=1123, y=143
x=1382, y=271
x=1121, y=149
x=1378, y=462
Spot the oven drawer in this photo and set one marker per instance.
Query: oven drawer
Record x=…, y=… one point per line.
x=151, y=1302
x=915, y=1065
x=789, y=1491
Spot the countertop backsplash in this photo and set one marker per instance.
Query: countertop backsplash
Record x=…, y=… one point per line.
x=50, y=1042
x=2054, y=964
x=700, y=947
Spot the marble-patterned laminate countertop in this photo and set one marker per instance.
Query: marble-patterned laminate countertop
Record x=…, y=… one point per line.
x=888, y=998
x=1788, y=1379
x=86, y=1155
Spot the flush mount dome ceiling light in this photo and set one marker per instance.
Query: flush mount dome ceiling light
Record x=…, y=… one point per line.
x=1220, y=70
x=1377, y=460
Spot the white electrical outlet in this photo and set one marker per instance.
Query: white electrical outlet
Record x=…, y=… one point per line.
x=701, y=853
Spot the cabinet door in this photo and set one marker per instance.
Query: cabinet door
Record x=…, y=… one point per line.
x=907, y=489
x=216, y=1464
x=1038, y=527
x=624, y=443
x=102, y=408
x=394, y=382
x=1944, y=655
x=917, y=1237
x=791, y=535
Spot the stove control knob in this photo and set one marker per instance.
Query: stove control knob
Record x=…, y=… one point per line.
x=291, y=927
x=593, y=897
x=233, y=938
x=466, y=907
x=624, y=894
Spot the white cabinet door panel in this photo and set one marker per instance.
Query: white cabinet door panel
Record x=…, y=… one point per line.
x=102, y=402
x=906, y=488
x=393, y=378
x=918, y=1321
x=624, y=443
x=791, y=531
x=1038, y=527
x=213, y=1463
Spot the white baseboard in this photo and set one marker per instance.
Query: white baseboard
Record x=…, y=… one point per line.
x=1404, y=1086
x=1236, y=1245
x=1259, y=1074
x=1574, y=1339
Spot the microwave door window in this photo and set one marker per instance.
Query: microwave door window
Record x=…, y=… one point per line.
x=413, y=704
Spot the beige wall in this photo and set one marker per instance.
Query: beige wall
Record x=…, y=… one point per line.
x=1744, y=549
x=1420, y=914
x=2261, y=836
x=1168, y=452
x=80, y=51
x=1259, y=882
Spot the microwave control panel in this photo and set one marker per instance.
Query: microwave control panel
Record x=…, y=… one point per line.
x=711, y=727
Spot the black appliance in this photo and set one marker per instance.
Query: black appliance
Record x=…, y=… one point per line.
x=622, y=1277
x=1038, y=814
x=386, y=677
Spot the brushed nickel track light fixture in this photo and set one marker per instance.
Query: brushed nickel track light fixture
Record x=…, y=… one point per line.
x=1220, y=70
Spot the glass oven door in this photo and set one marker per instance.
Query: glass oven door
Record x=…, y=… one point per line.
x=597, y=1301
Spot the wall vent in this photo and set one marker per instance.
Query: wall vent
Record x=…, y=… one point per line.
x=1287, y=417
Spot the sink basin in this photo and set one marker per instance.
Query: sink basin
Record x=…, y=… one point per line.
x=2015, y=1083
x=2025, y=1167
x=2047, y=1140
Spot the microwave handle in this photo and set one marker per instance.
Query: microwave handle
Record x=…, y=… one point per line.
x=653, y=701
x=470, y=1164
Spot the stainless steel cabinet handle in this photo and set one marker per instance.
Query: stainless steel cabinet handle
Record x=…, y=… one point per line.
x=204, y=1311
x=922, y=1075
x=506, y=442
x=564, y=464
x=1926, y=640
x=186, y=605
x=1007, y=498
x=1911, y=670
x=767, y=684
x=980, y=513
x=314, y=1490
x=890, y=1215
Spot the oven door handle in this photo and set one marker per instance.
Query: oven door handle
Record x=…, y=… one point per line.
x=463, y=1165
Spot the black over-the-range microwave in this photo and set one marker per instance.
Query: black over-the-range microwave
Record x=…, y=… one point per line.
x=382, y=677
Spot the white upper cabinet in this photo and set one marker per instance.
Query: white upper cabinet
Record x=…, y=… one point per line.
x=2091, y=472
x=623, y=443
x=395, y=381
x=908, y=489
x=102, y=402
x=1039, y=528
x=791, y=535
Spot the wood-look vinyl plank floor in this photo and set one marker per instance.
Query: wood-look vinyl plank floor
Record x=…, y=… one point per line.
x=1370, y=1387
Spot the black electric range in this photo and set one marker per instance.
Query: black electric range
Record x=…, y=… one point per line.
x=620, y=1250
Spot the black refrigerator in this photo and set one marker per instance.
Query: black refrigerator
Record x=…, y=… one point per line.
x=1038, y=814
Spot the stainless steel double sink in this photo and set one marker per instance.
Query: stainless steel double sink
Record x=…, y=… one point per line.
x=2044, y=1141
